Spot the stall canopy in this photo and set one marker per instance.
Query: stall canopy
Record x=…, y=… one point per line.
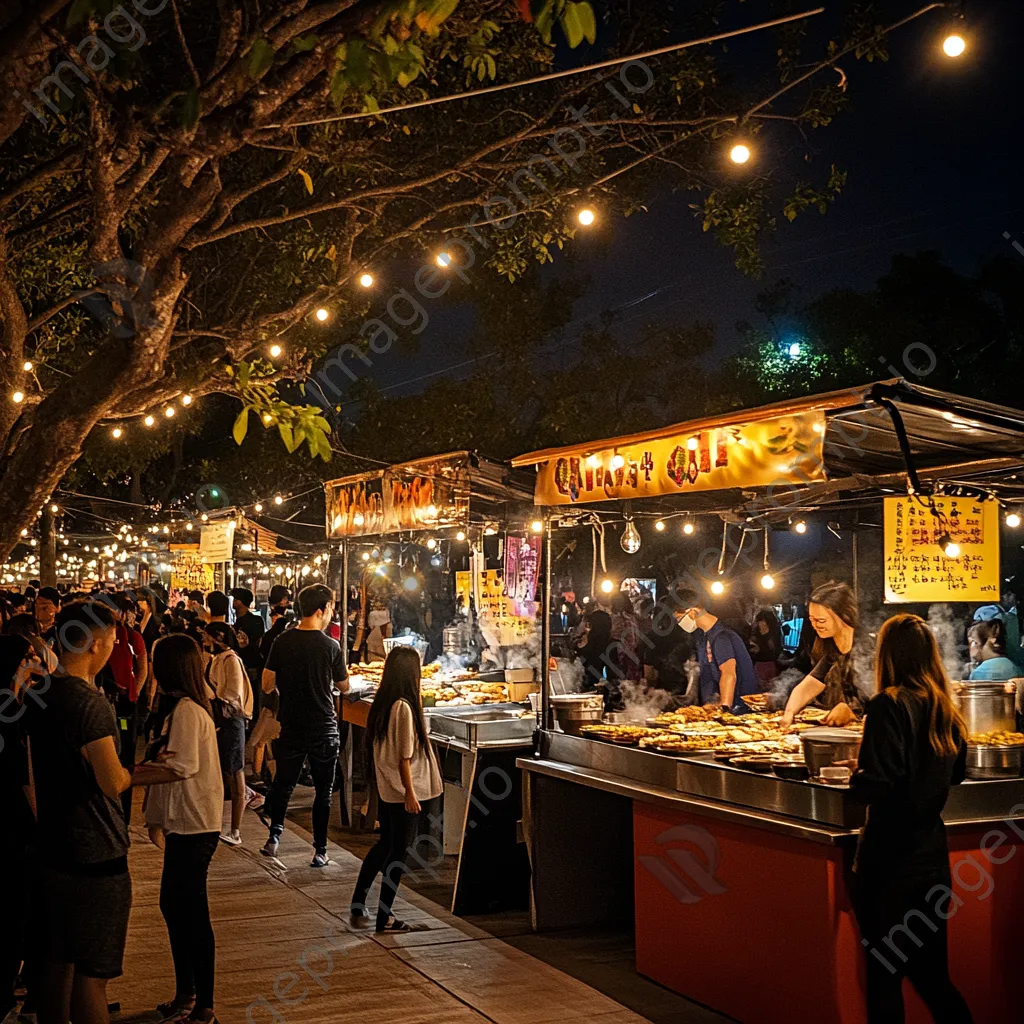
x=451, y=491
x=844, y=447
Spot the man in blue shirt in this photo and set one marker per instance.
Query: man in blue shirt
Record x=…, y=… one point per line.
x=726, y=669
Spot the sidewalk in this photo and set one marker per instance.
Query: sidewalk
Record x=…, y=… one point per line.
x=286, y=953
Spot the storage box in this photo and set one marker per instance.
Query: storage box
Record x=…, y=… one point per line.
x=520, y=683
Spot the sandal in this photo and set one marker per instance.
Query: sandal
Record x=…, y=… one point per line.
x=393, y=925
x=176, y=1008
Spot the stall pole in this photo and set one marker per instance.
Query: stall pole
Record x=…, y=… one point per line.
x=343, y=597
x=545, y=634
x=856, y=574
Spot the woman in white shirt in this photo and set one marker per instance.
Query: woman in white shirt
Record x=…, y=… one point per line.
x=230, y=683
x=408, y=782
x=184, y=809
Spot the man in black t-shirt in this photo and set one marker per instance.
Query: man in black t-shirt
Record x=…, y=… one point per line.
x=81, y=837
x=303, y=667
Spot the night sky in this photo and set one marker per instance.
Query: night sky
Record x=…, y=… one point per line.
x=931, y=147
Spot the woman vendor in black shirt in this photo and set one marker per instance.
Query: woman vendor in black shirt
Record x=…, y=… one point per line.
x=913, y=751
x=833, y=613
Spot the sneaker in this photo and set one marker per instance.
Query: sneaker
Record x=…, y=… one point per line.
x=231, y=838
x=320, y=859
x=175, y=1008
x=269, y=849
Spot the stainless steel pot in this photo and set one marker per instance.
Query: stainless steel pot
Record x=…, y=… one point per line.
x=986, y=706
x=824, y=747
x=994, y=762
x=575, y=710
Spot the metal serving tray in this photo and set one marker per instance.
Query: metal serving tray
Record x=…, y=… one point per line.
x=482, y=725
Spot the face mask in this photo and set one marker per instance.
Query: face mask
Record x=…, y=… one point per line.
x=689, y=623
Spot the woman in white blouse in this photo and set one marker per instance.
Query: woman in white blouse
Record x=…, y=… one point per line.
x=184, y=809
x=230, y=683
x=408, y=782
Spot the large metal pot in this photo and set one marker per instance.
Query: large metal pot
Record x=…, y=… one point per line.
x=824, y=747
x=994, y=762
x=575, y=710
x=986, y=706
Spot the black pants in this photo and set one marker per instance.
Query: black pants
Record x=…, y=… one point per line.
x=290, y=752
x=907, y=938
x=187, y=913
x=128, y=736
x=390, y=856
x=16, y=868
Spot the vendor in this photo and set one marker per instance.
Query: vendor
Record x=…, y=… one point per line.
x=726, y=670
x=831, y=683
x=987, y=644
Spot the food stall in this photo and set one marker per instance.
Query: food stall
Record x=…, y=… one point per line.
x=439, y=554
x=717, y=835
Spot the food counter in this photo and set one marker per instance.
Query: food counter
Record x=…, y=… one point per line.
x=738, y=882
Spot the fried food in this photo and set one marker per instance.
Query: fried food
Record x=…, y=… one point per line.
x=996, y=738
x=616, y=733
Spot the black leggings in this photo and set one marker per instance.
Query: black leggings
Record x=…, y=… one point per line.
x=906, y=938
x=290, y=753
x=399, y=833
x=187, y=913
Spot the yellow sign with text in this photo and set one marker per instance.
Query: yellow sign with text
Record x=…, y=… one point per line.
x=917, y=568
x=785, y=451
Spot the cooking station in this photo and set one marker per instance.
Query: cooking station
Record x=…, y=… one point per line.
x=723, y=870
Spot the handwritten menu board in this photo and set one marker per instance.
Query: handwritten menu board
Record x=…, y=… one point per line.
x=498, y=615
x=916, y=569
x=188, y=571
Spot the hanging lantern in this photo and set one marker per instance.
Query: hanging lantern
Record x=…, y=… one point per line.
x=630, y=540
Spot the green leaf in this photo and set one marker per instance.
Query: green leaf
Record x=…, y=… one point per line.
x=261, y=56
x=286, y=435
x=588, y=22
x=302, y=44
x=572, y=26
x=357, y=65
x=435, y=14
x=306, y=179
x=244, y=373
x=241, y=425
x=370, y=104
x=190, y=109
x=339, y=86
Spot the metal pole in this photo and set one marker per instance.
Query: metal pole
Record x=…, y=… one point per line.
x=344, y=596
x=856, y=574
x=545, y=632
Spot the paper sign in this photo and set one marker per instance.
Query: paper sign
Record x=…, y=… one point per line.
x=188, y=572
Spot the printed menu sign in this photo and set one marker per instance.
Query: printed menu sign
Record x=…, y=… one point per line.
x=916, y=567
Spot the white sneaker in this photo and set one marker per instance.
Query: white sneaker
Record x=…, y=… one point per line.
x=231, y=838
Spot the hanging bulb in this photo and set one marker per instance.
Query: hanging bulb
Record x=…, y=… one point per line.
x=460, y=536
x=949, y=547
x=169, y=412
x=278, y=500
x=954, y=45
x=1012, y=520
x=431, y=543
x=366, y=280
x=660, y=525
x=443, y=259
x=593, y=462
x=688, y=527
x=607, y=586
x=322, y=314
x=630, y=539
x=149, y=421
x=800, y=526
x=586, y=216
x=186, y=399
x=618, y=462
x=537, y=526
x=275, y=351
x=767, y=581
x=116, y=433
x=18, y=397
x=365, y=556
x=258, y=507
x=718, y=588
x=739, y=154
x=435, y=561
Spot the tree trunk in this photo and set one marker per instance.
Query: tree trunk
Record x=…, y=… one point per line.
x=47, y=548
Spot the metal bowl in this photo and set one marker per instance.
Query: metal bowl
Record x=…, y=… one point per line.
x=824, y=747
x=575, y=710
x=794, y=769
x=990, y=762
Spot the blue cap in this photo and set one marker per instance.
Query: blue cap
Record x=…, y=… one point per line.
x=987, y=612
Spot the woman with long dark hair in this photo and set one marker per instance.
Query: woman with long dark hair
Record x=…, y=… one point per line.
x=831, y=683
x=183, y=810
x=408, y=782
x=914, y=750
x=765, y=646
x=230, y=683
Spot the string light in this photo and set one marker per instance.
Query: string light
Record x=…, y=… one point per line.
x=660, y=526
x=258, y=507
x=18, y=397
x=205, y=518
x=366, y=556
x=186, y=399
x=460, y=536
x=767, y=581
x=717, y=588
x=688, y=526
x=593, y=462
x=607, y=586
x=443, y=259
x=27, y=366
x=692, y=444
x=739, y=154
x=278, y=500
x=321, y=315
x=586, y=216
x=537, y=526
x=1012, y=520
x=618, y=462
x=267, y=419
x=366, y=280
x=188, y=526
x=275, y=351
x=149, y=421
x=431, y=543
x=169, y=412
x=949, y=547
x=54, y=509
x=800, y=526
x=954, y=45
x=116, y=432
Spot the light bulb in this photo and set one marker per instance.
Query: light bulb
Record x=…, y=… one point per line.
x=366, y=280
x=431, y=511
x=358, y=519
x=586, y=216
x=953, y=45
x=258, y=507
x=717, y=588
x=18, y=397
x=739, y=154
x=188, y=526
x=607, y=586
x=267, y=419
x=435, y=561
x=1012, y=520
x=800, y=526
x=410, y=583
x=687, y=527
x=618, y=462
x=116, y=432
x=54, y=509
x=460, y=536
x=593, y=462
x=949, y=547
x=659, y=525
x=537, y=526
x=630, y=539
x=27, y=367
x=767, y=581
x=186, y=399
x=692, y=444
x=233, y=524
x=278, y=500
x=322, y=314
x=149, y=421
x=366, y=556
x=169, y=411
x=275, y=351
x=205, y=518
x=443, y=259
x=431, y=543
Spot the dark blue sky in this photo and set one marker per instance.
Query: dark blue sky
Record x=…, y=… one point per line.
x=932, y=150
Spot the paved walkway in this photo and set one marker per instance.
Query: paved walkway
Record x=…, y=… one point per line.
x=286, y=953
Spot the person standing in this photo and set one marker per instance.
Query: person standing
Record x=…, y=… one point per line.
x=913, y=751
x=183, y=810
x=303, y=667
x=84, y=889
x=47, y=603
x=408, y=781
x=986, y=642
x=249, y=629
x=217, y=605
x=230, y=684
x=726, y=669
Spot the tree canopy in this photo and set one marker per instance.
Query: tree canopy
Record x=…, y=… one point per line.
x=184, y=184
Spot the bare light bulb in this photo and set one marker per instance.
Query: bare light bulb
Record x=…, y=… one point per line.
x=954, y=45
x=275, y=351
x=630, y=539
x=659, y=525
x=18, y=397
x=186, y=399
x=1013, y=520
x=768, y=581
x=687, y=527
x=607, y=586
x=258, y=507
x=116, y=432
x=27, y=366
x=366, y=280
x=717, y=588
x=322, y=314
x=149, y=421
x=739, y=154
x=593, y=462
x=443, y=259
x=460, y=536
x=586, y=216
x=800, y=526
x=169, y=412
x=618, y=462
x=537, y=526
x=278, y=500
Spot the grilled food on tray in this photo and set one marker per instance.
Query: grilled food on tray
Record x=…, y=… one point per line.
x=678, y=744
x=997, y=738
x=616, y=733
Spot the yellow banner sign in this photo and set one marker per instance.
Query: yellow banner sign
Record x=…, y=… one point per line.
x=188, y=570
x=784, y=452
x=918, y=569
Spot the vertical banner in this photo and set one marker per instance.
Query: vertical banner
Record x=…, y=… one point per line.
x=917, y=568
x=188, y=571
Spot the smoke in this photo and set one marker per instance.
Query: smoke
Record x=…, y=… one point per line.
x=948, y=630
x=567, y=676
x=782, y=686
x=641, y=702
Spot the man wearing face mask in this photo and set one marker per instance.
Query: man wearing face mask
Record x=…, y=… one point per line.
x=726, y=670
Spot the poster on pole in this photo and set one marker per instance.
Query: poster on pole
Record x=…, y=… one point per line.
x=917, y=569
x=217, y=542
